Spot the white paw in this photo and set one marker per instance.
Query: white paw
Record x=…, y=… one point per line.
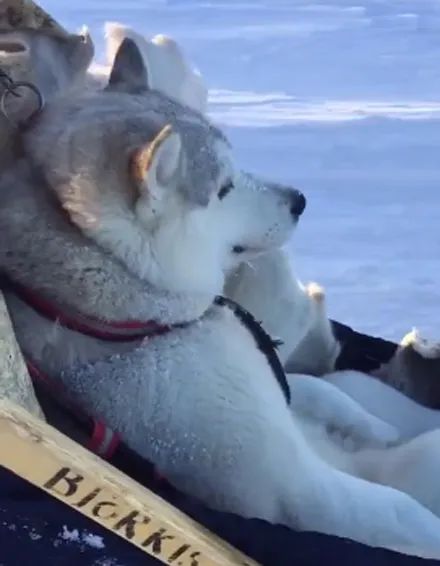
x=381, y=434
x=421, y=526
x=315, y=292
x=373, y=433
x=428, y=349
x=368, y=435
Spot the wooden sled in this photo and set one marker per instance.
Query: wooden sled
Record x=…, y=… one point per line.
x=38, y=453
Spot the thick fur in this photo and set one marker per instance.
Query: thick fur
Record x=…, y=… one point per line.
x=415, y=369
x=365, y=413
x=52, y=64
x=201, y=402
x=267, y=287
x=168, y=69
x=290, y=311
x=386, y=403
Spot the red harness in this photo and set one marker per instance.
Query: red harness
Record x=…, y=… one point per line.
x=109, y=331
x=103, y=440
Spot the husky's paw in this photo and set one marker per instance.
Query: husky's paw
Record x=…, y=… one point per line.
x=372, y=434
x=378, y=433
x=420, y=460
x=419, y=529
x=315, y=292
x=166, y=41
x=428, y=349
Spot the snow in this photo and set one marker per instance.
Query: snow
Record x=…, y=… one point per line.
x=83, y=538
x=94, y=541
x=341, y=99
x=30, y=531
x=70, y=535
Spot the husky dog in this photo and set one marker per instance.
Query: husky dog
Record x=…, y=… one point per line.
x=51, y=63
x=124, y=211
x=267, y=286
x=269, y=289
x=308, y=329
x=174, y=76
x=400, y=393
x=168, y=69
x=420, y=357
x=35, y=49
x=290, y=311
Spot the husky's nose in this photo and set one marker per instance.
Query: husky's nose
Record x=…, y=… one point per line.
x=297, y=203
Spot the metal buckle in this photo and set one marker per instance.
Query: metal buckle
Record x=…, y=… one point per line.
x=11, y=88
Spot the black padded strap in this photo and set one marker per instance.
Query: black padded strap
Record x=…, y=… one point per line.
x=359, y=351
x=263, y=342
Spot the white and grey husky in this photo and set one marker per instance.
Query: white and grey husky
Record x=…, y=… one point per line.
x=125, y=215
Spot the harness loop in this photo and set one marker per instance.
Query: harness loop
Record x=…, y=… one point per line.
x=13, y=88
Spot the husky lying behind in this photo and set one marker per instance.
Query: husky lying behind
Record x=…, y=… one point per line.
x=168, y=69
x=35, y=49
x=295, y=313
x=136, y=214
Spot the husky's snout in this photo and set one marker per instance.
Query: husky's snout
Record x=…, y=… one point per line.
x=293, y=199
x=297, y=203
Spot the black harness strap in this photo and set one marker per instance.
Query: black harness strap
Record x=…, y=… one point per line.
x=262, y=340
x=80, y=428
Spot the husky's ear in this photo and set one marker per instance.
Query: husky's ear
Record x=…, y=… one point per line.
x=154, y=166
x=80, y=51
x=129, y=73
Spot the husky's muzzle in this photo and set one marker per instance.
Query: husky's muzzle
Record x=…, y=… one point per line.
x=298, y=203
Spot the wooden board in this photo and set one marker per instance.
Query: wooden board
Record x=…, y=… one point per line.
x=43, y=456
x=15, y=383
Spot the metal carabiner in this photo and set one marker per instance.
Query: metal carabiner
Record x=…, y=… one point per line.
x=11, y=89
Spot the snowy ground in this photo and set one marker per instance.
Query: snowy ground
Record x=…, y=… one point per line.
x=342, y=99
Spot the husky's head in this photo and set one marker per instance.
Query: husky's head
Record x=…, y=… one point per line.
x=169, y=71
x=153, y=183
x=51, y=62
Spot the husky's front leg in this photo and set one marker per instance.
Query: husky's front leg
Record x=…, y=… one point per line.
x=295, y=314
x=326, y=404
x=412, y=467
x=267, y=288
x=386, y=403
x=318, y=351
x=324, y=499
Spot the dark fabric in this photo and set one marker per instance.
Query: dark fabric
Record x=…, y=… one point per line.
x=360, y=351
x=262, y=340
x=37, y=529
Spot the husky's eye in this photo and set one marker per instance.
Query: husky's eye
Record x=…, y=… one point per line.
x=227, y=188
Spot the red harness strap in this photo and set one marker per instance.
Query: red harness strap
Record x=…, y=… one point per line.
x=103, y=440
x=111, y=331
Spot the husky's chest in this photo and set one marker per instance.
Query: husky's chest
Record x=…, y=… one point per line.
x=200, y=392
x=199, y=401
